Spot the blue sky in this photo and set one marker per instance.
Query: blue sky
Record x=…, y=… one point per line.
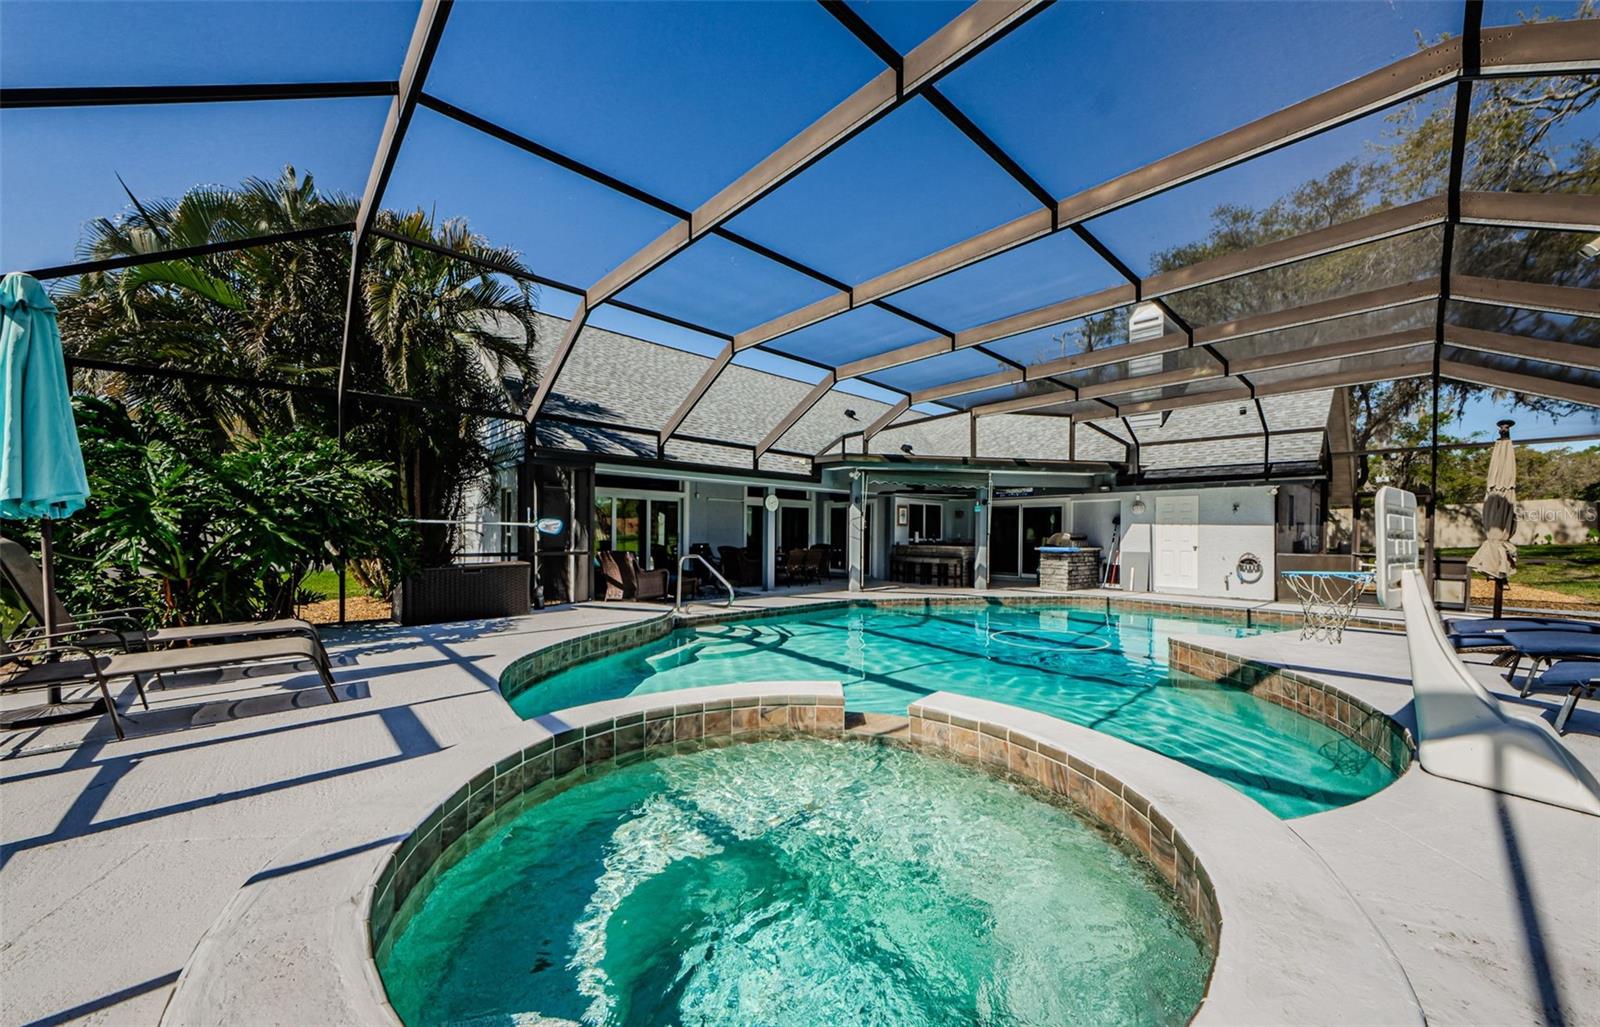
x=680, y=99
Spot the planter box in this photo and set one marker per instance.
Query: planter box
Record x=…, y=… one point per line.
x=463, y=592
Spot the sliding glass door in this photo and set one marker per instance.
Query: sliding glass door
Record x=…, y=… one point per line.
x=646, y=526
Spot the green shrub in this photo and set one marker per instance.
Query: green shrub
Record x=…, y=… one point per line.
x=199, y=536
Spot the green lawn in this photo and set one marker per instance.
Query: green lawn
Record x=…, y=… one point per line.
x=326, y=584
x=1572, y=569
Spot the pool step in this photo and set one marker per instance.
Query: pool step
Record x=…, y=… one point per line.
x=677, y=656
x=885, y=726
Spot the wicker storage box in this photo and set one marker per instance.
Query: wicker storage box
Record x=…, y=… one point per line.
x=463, y=592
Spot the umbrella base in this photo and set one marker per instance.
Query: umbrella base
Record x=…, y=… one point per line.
x=47, y=714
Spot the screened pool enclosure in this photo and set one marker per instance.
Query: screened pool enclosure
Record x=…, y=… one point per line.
x=1010, y=231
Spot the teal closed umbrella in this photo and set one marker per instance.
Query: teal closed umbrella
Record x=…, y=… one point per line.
x=41, y=464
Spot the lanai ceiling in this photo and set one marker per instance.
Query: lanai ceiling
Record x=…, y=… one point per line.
x=952, y=210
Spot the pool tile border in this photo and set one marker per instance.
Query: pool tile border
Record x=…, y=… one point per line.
x=552, y=659
x=1093, y=792
x=1368, y=728
x=1371, y=729
x=549, y=661
x=499, y=793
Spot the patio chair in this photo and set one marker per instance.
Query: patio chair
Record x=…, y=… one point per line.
x=735, y=565
x=1580, y=677
x=121, y=629
x=703, y=550
x=615, y=573
x=60, y=665
x=822, y=554
x=647, y=584
x=797, y=566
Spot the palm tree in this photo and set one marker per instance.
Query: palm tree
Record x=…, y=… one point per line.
x=441, y=331
x=437, y=330
x=270, y=313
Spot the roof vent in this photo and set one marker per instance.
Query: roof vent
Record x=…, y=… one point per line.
x=1147, y=321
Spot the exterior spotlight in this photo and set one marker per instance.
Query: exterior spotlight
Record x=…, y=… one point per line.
x=1591, y=249
x=850, y=413
x=905, y=447
x=1138, y=504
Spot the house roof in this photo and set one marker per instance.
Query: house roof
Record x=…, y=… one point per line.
x=617, y=391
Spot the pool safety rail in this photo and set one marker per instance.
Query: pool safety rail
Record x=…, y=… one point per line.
x=677, y=603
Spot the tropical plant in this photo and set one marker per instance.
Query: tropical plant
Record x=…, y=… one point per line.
x=197, y=536
x=457, y=341
x=452, y=339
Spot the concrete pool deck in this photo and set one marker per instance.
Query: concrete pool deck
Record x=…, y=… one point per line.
x=118, y=856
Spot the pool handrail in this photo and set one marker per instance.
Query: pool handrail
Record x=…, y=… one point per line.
x=678, y=602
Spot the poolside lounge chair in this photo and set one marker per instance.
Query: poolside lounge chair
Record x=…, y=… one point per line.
x=1580, y=678
x=823, y=555
x=1548, y=647
x=121, y=629
x=59, y=665
x=1489, y=632
x=1500, y=625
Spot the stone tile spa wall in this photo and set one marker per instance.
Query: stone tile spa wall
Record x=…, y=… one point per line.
x=501, y=792
x=1097, y=794
x=1373, y=731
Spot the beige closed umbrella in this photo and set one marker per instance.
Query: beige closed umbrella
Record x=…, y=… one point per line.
x=1497, y=557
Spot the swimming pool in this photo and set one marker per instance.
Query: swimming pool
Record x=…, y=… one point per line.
x=796, y=882
x=1107, y=671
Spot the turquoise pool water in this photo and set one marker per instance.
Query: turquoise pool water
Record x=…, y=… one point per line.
x=795, y=883
x=1107, y=673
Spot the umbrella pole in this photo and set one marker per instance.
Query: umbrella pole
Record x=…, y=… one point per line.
x=56, y=708
x=47, y=565
x=1499, y=595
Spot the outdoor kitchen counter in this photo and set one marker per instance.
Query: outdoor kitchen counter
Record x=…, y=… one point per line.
x=1063, y=568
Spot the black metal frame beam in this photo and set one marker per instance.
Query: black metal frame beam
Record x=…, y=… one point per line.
x=568, y=287
x=997, y=154
x=963, y=37
x=1471, y=57
x=12, y=99
x=88, y=267
x=1530, y=49
x=1544, y=48
x=424, y=44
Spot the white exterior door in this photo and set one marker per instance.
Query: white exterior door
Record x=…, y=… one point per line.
x=1177, y=542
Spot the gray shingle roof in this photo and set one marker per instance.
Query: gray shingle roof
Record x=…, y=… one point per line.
x=631, y=382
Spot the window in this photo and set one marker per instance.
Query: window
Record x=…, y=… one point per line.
x=926, y=521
